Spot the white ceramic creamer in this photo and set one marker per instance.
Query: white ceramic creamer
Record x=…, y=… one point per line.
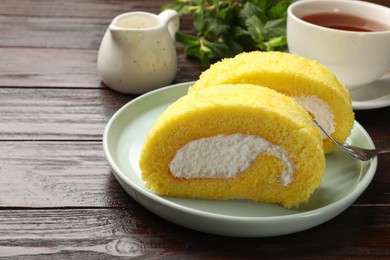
x=138, y=53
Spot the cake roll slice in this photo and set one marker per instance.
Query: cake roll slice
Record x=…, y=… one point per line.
x=234, y=142
x=312, y=85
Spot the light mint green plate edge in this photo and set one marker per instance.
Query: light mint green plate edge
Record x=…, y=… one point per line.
x=344, y=181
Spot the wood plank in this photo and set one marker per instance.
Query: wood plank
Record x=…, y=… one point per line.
x=378, y=191
x=134, y=232
x=64, y=32
x=57, y=114
x=57, y=174
x=376, y=123
x=69, y=33
x=34, y=67
x=73, y=68
x=78, y=8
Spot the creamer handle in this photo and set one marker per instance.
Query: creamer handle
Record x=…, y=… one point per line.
x=171, y=19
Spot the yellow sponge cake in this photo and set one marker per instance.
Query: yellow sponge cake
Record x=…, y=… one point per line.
x=312, y=85
x=234, y=142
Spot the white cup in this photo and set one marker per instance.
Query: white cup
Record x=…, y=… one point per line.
x=357, y=58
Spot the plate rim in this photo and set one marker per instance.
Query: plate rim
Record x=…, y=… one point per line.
x=378, y=102
x=348, y=198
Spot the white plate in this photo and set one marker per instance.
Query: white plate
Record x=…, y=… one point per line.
x=373, y=95
x=345, y=179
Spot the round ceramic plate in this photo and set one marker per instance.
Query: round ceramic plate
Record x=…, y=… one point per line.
x=344, y=180
x=373, y=95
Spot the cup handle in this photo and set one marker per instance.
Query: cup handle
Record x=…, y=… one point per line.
x=171, y=19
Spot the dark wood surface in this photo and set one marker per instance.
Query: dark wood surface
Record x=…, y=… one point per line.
x=58, y=197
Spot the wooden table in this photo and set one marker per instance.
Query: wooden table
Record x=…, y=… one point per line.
x=58, y=197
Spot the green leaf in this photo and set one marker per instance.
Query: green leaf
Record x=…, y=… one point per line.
x=179, y=6
x=279, y=10
x=225, y=13
x=278, y=41
x=275, y=28
x=244, y=39
x=241, y=32
x=187, y=39
x=225, y=28
x=218, y=49
x=233, y=45
x=198, y=18
x=205, y=49
x=249, y=10
x=214, y=27
x=262, y=4
x=255, y=28
x=204, y=54
x=193, y=51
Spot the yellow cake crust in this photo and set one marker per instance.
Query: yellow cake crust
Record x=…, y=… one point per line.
x=255, y=111
x=288, y=74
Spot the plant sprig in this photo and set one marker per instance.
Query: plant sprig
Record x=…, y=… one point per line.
x=225, y=28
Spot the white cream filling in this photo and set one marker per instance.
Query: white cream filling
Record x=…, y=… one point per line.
x=320, y=110
x=225, y=156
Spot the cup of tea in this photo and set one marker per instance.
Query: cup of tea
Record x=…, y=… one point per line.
x=351, y=38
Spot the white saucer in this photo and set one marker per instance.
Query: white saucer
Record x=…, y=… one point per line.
x=373, y=95
x=344, y=180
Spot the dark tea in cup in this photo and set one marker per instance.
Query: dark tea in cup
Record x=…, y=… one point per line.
x=346, y=22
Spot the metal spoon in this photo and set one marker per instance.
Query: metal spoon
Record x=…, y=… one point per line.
x=357, y=152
